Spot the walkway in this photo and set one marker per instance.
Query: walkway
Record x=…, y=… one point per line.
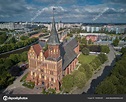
x=99, y=76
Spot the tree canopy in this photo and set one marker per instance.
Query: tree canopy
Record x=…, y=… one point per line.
x=115, y=83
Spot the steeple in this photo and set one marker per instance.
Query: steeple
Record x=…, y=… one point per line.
x=53, y=39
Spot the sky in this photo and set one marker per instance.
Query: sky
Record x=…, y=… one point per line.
x=86, y=11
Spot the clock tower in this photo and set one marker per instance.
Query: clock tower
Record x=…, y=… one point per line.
x=53, y=42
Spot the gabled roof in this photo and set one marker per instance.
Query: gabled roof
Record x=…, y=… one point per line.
x=67, y=52
x=53, y=39
x=37, y=49
x=72, y=43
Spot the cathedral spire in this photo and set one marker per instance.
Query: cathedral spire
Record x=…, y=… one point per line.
x=53, y=39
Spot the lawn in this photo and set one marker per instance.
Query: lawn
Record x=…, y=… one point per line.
x=86, y=58
x=29, y=84
x=24, y=78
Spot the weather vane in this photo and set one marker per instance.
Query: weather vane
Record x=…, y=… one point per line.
x=53, y=11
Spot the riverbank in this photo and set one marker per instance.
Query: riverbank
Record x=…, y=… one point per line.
x=17, y=51
x=89, y=88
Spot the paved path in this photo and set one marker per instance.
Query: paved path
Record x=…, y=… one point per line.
x=16, y=83
x=99, y=76
x=17, y=88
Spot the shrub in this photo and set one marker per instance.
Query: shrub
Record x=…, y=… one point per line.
x=85, y=51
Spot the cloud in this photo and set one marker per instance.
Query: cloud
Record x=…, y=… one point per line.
x=47, y=11
x=116, y=1
x=66, y=10
x=55, y=2
x=12, y=7
x=88, y=13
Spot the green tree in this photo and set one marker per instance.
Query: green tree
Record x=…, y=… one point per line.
x=85, y=51
x=79, y=79
x=1, y=60
x=116, y=41
x=67, y=84
x=24, y=57
x=3, y=37
x=90, y=41
x=104, y=49
x=8, y=63
x=14, y=58
x=2, y=69
x=95, y=63
x=121, y=89
x=123, y=50
x=102, y=58
x=115, y=83
x=86, y=68
x=83, y=41
x=106, y=87
x=12, y=40
x=24, y=37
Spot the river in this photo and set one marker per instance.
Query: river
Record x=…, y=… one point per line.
x=105, y=70
x=18, y=51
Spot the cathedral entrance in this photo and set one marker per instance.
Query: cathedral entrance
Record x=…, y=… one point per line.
x=41, y=86
x=43, y=83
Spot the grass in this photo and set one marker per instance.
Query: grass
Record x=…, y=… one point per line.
x=24, y=78
x=86, y=58
x=68, y=37
x=29, y=84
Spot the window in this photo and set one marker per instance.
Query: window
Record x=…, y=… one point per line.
x=42, y=70
x=43, y=77
x=51, y=84
x=33, y=73
x=51, y=72
x=51, y=79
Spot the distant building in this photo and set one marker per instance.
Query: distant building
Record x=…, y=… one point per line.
x=91, y=28
x=7, y=26
x=58, y=25
x=97, y=34
x=93, y=38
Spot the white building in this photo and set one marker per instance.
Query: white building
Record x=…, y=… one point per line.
x=97, y=34
x=7, y=26
x=58, y=26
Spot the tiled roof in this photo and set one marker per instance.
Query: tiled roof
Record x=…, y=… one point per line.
x=46, y=53
x=72, y=43
x=67, y=52
x=37, y=49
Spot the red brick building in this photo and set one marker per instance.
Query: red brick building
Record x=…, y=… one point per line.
x=92, y=37
x=47, y=68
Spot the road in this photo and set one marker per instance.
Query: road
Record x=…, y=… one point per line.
x=99, y=76
x=17, y=88
x=16, y=83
